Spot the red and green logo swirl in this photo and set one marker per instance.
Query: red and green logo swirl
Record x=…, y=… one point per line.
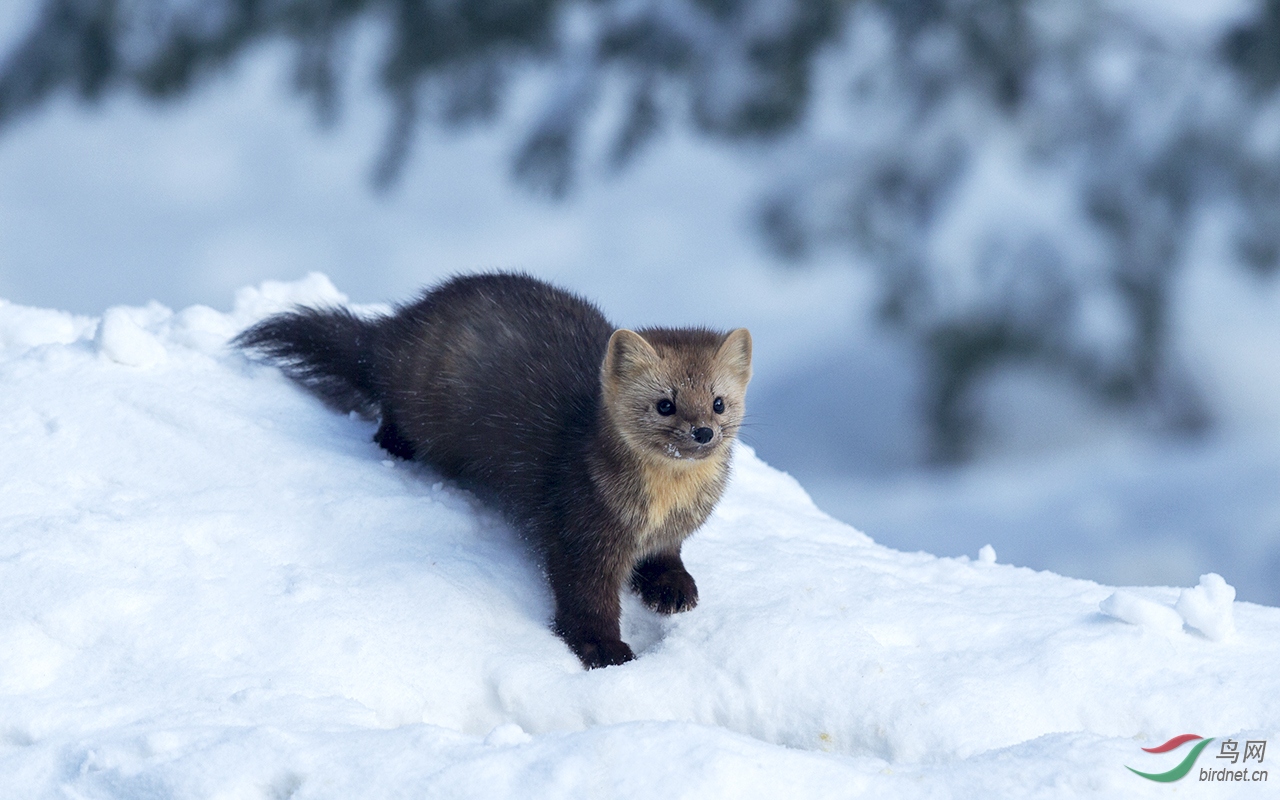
x=1180, y=771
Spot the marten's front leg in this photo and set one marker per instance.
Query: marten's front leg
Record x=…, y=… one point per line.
x=664, y=584
x=586, y=578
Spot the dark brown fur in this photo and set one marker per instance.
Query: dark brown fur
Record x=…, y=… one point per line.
x=527, y=395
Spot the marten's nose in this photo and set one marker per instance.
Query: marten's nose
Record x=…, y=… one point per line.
x=703, y=435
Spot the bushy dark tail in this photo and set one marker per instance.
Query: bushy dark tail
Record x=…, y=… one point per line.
x=330, y=351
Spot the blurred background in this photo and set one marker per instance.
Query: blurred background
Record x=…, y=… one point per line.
x=1009, y=264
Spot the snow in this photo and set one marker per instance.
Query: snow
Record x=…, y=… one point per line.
x=986, y=554
x=211, y=586
x=123, y=338
x=1135, y=610
x=1208, y=607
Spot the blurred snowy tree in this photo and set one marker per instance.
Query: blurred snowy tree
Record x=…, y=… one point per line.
x=745, y=65
x=1024, y=175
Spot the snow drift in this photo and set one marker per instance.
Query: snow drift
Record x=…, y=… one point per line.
x=212, y=586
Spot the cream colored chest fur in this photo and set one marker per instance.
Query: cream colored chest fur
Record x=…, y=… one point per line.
x=675, y=490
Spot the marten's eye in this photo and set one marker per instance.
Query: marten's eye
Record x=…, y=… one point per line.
x=666, y=408
x=718, y=405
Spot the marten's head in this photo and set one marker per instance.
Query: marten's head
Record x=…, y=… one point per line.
x=676, y=394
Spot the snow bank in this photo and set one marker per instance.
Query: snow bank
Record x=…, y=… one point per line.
x=212, y=586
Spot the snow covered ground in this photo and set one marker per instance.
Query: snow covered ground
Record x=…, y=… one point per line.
x=211, y=586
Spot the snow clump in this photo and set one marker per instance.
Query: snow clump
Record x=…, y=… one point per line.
x=124, y=337
x=1208, y=607
x=1135, y=610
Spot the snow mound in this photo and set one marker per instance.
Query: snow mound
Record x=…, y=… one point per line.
x=212, y=586
x=1135, y=610
x=126, y=335
x=1208, y=607
x=986, y=554
x=22, y=328
x=255, y=302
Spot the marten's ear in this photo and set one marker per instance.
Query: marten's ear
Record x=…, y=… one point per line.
x=735, y=355
x=627, y=353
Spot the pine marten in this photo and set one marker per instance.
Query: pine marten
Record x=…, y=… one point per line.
x=606, y=447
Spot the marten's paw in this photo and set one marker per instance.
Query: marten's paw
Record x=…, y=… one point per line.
x=666, y=588
x=602, y=652
x=390, y=439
